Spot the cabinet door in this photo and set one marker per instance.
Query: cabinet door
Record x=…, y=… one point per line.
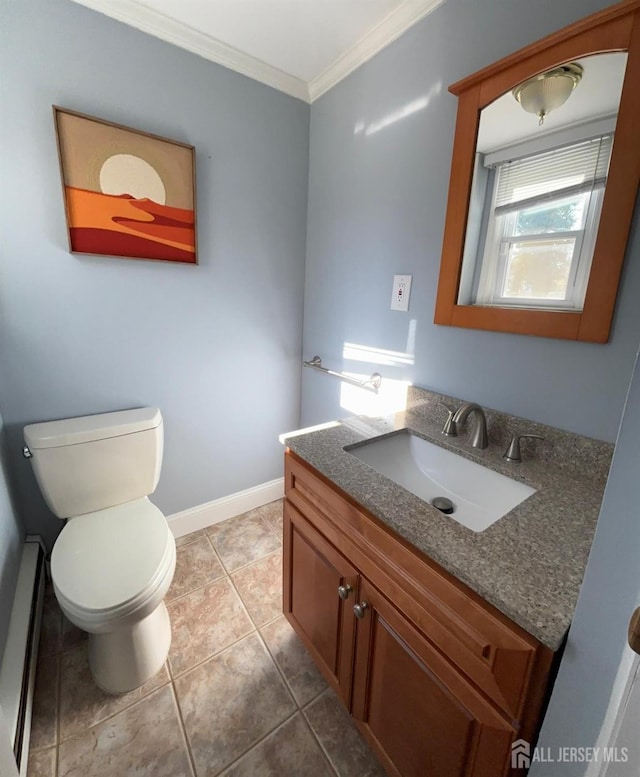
x=313, y=573
x=417, y=711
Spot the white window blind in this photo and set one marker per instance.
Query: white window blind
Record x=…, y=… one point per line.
x=564, y=171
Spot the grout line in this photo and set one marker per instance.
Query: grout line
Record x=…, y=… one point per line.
x=215, y=552
x=179, y=675
x=268, y=525
x=315, y=698
x=256, y=561
x=77, y=644
x=315, y=736
x=118, y=712
x=225, y=573
x=183, y=728
x=258, y=742
x=168, y=601
x=242, y=567
x=58, y=717
x=316, y=739
x=252, y=619
x=271, y=620
x=195, y=535
x=279, y=669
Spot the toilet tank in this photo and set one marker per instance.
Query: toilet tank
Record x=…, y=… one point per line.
x=97, y=461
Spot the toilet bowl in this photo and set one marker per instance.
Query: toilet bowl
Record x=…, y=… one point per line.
x=114, y=560
x=111, y=571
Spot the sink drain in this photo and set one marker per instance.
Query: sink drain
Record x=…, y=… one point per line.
x=443, y=504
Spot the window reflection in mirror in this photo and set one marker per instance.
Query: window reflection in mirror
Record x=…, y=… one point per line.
x=537, y=194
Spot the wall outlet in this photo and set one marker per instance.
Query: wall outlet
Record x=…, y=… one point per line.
x=401, y=291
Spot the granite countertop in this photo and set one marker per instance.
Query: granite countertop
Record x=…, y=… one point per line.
x=530, y=563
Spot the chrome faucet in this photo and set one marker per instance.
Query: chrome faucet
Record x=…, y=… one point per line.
x=479, y=436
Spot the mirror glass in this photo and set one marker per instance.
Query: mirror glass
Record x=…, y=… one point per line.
x=538, y=185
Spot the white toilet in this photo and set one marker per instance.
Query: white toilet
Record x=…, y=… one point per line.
x=114, y=560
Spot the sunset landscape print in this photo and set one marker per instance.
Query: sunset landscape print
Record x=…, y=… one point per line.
x=127, y=194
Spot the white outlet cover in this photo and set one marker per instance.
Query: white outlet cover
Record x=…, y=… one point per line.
x=400, y=292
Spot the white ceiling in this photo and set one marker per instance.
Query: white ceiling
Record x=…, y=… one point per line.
x=302, y=47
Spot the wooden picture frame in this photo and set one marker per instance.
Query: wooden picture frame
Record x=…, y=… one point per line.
x=127, y=193
x=614, y=29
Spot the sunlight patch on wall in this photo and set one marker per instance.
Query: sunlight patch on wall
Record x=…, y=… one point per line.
x=297, y=432
x=391, y=397
x=362, y=128
x=365, y=353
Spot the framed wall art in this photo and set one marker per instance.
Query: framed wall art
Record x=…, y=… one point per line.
x=127, y=193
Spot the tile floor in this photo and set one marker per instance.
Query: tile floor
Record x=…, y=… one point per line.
x=238, y=697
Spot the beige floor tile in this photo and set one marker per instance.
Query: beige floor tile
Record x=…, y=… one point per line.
x=348, y=752
x=297, y=666
x=272, y=514
x=230, y=702
x=290, y=751
x=260, y=586
x=187, y=538
x=44, y=716
x=71, y=635
x=42, y=763
x=242, y=539
x=145, y=740
x=205, y=622
x=196, y=565
x=82, y=703
x=51, y=628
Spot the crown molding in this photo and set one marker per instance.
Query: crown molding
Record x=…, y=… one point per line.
x=157, y=24
x=385, y=32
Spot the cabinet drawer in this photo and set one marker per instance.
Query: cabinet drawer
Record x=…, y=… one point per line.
x=496, y=654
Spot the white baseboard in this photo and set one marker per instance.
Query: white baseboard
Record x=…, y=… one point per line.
x=201, y=516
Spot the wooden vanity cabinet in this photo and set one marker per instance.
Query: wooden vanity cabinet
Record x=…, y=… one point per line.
x=437, y=680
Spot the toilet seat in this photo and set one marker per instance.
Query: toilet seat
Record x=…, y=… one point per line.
x=112, y=563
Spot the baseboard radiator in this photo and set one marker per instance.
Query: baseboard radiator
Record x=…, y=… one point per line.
x=18, y=669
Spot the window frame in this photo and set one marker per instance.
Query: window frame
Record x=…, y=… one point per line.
x=493, y=260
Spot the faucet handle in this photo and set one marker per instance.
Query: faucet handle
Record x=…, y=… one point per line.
x=450, y=427
x=513, y=452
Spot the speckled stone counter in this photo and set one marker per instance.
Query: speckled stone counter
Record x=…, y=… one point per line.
x=530, y=563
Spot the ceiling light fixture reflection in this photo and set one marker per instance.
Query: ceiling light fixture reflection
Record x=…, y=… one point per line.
x=547, y=91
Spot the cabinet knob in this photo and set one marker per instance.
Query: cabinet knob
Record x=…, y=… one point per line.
x=360, y=609
x=344, y=591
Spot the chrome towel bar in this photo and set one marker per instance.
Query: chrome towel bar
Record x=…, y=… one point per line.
x=372, y=383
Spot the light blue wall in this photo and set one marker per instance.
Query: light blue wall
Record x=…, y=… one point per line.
x=11, y=537
x=217, y=347
x=597, y=642
x=377, y=198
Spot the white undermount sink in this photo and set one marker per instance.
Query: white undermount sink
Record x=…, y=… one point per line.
x=480, y=496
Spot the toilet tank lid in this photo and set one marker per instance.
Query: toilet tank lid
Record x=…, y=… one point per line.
x=72, y=431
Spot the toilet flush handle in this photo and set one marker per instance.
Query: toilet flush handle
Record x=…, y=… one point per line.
x=26, y=452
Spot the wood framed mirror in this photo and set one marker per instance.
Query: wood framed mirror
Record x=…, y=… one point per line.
x=577, y=299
